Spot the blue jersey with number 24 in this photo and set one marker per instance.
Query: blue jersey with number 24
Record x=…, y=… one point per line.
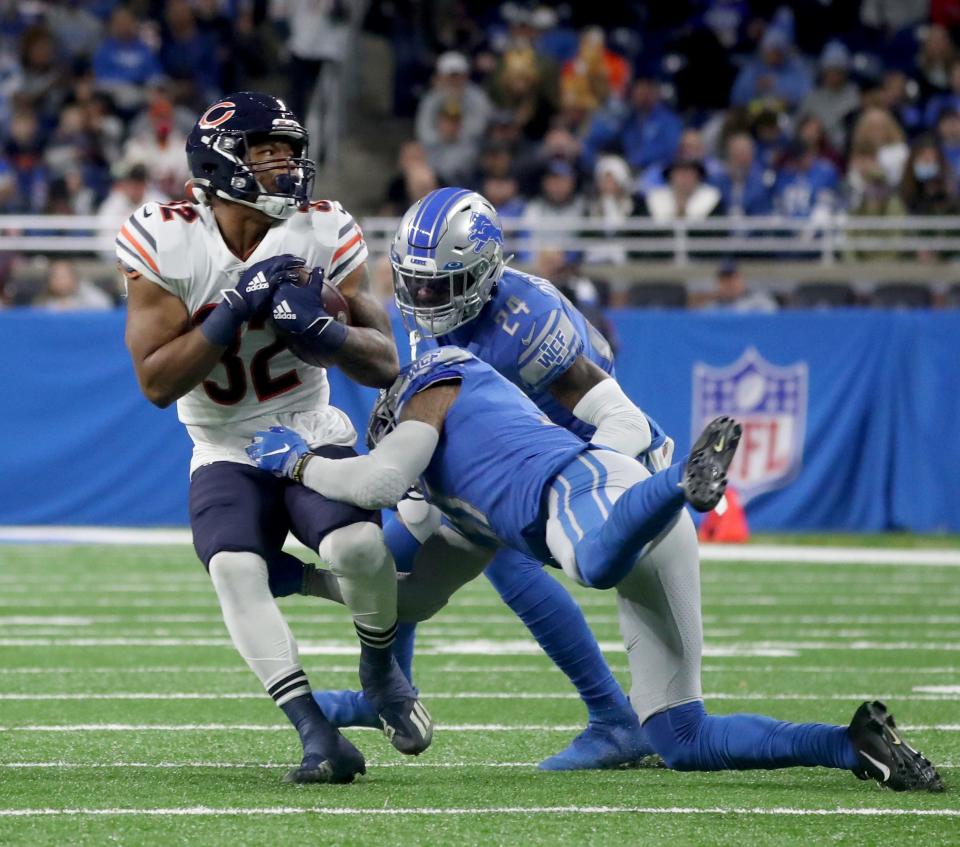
x=531, y=334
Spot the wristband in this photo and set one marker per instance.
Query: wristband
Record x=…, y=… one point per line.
x=328, y=341
x=221, y=325
x=300, y=467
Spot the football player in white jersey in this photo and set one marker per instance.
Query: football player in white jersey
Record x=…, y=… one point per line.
x=201, y=279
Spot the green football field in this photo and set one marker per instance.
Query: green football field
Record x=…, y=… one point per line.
x=127, y=717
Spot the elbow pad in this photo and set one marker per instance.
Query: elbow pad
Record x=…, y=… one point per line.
x=621, y=426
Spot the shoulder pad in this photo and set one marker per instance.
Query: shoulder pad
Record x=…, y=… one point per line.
x=436, y=365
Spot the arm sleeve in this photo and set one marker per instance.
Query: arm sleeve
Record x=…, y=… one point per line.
x=621, y=426
x=380, y=479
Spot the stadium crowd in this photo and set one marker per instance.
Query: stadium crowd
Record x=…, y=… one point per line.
x=632, y=110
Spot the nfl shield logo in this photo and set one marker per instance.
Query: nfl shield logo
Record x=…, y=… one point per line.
x=771, y=404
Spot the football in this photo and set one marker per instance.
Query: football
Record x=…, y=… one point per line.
x=335, y=305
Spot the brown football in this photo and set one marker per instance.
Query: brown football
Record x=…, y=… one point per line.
x=334, y=304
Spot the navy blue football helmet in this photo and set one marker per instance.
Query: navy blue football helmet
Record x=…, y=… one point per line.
x=217, y=148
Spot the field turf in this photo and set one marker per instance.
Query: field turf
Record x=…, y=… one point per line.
x=127, y=717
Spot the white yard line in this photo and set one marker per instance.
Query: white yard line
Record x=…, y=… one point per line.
x=259, y=727
x=339, y=811
x=504, y=647
x=454, y=667
x=711, y=552
x=933, y=693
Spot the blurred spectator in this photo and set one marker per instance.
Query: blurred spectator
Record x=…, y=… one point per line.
x=935, y=59
x=731, y=292
x=124, y=63
x=610, y=207
x=897, y=94
x=557, y=202
x=595, y=72
x=948, y=131
x=319, y=35
x=159, y=147
x=836, y=97
x=130, y=190
x=745, y=185
x=451, y=153
x=645, y=130
x=520, y=88
x=872, y=195
x=8, y=187
x=504, y=193
x=398, y=198
x=66, y=291
x=565, y=274
x=77, y=29
x=775, y=73
x=686, y=196
x=893, y=15
x=451, y=84
x=770, y=132
x=189, y=55
x=876, y=133
x=811, y=131
x=806, y=185
x=929, y=187
x=940, y=103
x=496, y=160
x=24, y=151
x=44, y=76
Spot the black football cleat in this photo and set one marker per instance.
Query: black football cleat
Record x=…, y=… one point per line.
x=885, y=756
x=338, y=767
x=705, y=476
x=406, y=722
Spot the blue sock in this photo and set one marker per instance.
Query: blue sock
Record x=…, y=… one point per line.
x=404, y=548
x=607, y=552
x=557, y=622
x=689, y=739
x=316, y=733
x=284, y=574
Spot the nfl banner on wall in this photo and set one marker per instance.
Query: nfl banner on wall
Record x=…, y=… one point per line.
x=771, y=404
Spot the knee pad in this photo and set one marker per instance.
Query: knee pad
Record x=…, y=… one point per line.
x=357, y=550
x=229, y=570
x=674, y=734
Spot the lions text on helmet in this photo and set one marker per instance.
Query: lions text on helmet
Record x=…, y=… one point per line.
x=218, y=151
x=447, y=256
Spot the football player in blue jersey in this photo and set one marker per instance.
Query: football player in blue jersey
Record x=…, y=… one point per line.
x=452, y=286
x=607, y=522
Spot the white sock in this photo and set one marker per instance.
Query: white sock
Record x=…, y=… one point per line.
x=256, y=625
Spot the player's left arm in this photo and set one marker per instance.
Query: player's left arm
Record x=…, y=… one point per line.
x=378, y=480
x=596, y=398
x=369, y=354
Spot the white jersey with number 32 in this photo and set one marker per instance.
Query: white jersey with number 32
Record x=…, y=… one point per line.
x=258, y=382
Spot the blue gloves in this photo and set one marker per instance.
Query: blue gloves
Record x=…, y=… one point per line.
x=298, y=314
x=252, y=294
x=279, y=450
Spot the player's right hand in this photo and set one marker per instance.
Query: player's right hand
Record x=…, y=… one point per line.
x=277, y=450
x=254, y=289
x=251, y=296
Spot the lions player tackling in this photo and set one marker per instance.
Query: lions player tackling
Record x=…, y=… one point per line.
x=201, y=280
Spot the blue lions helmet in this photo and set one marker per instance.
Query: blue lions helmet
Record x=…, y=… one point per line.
x=447, y=257
x=217, y=149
